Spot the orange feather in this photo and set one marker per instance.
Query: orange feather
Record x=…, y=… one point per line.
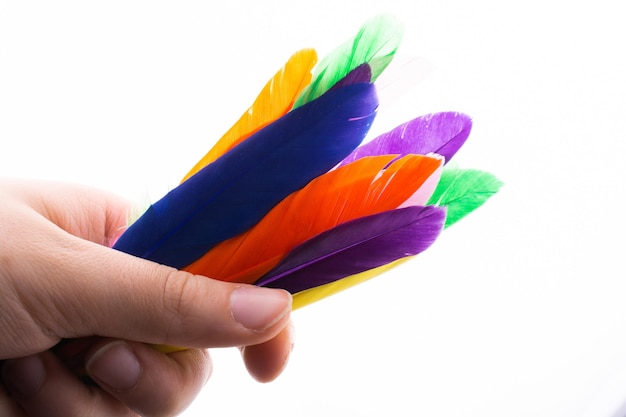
x=276, y=99
x=358, y=189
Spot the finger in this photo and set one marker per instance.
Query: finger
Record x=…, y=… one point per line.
x=8, y=406
x=102, y=218
x=43, y=387
x=74, y=288
x=266, y=361
x=149, y=382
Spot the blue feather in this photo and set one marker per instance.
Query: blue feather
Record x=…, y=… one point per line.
x=231, y=194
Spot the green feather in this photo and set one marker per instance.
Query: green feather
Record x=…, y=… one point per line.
x=462, y=191
x=375, y=43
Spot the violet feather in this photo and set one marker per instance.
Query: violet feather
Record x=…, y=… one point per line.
x=357, y=246
x=361, y=74
x=441, y=133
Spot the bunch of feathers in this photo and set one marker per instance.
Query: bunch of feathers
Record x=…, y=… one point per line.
x=289, y=198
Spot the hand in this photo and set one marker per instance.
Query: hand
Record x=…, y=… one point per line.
x=59, y=280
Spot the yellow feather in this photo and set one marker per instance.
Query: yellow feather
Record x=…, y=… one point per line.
x=306, y=297
x=276, y=99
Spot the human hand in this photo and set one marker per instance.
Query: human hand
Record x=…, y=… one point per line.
x=59, y=280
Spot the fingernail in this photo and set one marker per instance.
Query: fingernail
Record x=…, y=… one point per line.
x=258, y=308
x=24, y=376
x=116, y=366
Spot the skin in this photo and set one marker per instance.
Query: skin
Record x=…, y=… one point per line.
x=61, y=282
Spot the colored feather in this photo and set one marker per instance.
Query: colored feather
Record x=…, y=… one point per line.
x=421, y=196
x=357, y=246
x=402, y=78
x=312, y=295
x=375, y=44
x=276, y=99
x=440, y=133
x=462, y=191
x=230, y=195
x=355, y=190
x=263, y=203
x=361, y=74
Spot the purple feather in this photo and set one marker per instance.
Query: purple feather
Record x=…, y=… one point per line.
x=441, y=133
x=357, y=246
x=361, y=74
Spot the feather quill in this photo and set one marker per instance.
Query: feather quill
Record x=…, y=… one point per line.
x=357, y=246
x=230, y=195
x=355, y=190
x=462, y=191
x=276, y=99
x=375, y=44
x=440, y=133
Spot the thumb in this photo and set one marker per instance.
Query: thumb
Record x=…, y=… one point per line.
x=135, y=299
x=74, y=288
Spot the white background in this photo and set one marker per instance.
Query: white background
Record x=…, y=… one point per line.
x=519, y=310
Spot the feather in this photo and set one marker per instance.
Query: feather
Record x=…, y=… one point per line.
x=421, y=196
x=355, y=190
x=276, y=99
x=462, y=191
x=230, y=195
x=440, y=133
x=403, y=78
x=375, y=44
x=357, y=246
x=312, y=295
x=361, y=74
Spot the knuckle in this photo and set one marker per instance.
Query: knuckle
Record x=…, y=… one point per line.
x=178, y=299
x=175, y=292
